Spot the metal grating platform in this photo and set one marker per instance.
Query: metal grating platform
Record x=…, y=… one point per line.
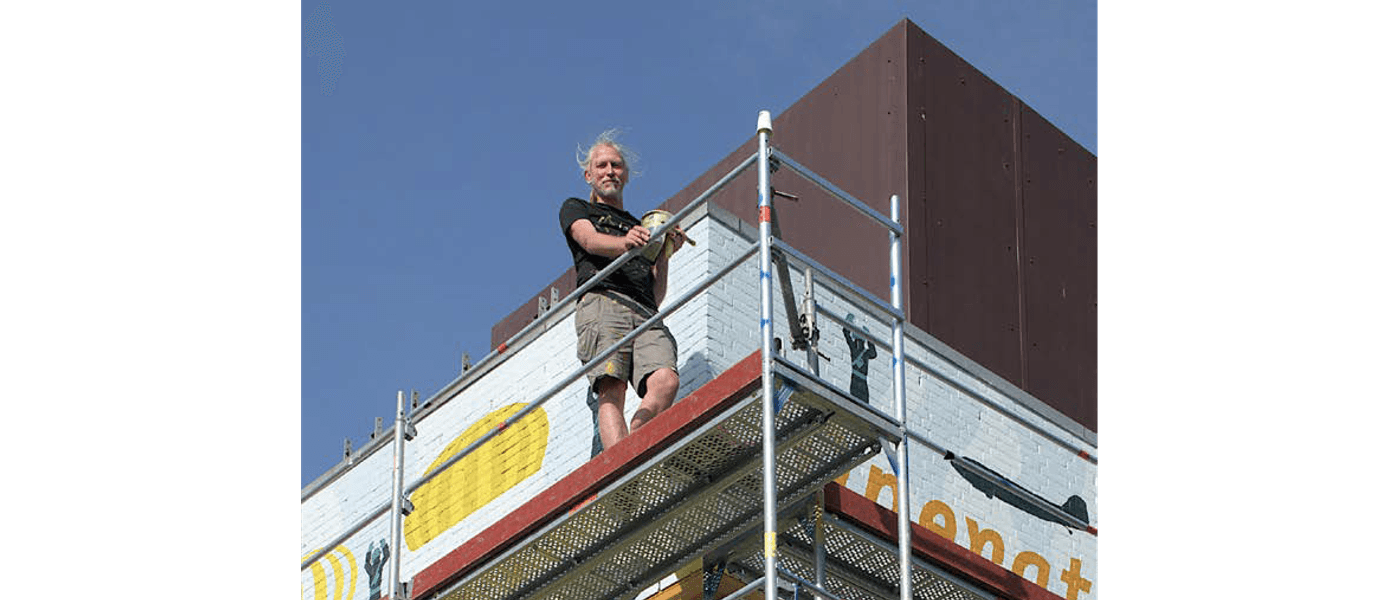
x=859, y=565
x=699, y=493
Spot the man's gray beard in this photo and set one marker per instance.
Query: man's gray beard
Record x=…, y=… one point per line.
x=610, y=194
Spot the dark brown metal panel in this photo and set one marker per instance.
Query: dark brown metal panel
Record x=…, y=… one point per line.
x=739, y=197
x=919, y=308
x=998, y=259
x=965, y=265
x=851, y=130
x=1059, y=263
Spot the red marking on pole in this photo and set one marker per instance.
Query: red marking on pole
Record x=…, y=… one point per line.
x=764, y=214
x=501, y=349
x=1085, y=455
x=1092, y=530
x=501, y=426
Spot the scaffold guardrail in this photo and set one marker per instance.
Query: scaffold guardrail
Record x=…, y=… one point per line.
x=708, y=490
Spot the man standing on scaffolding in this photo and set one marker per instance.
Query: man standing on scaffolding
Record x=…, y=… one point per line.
x=599, y=230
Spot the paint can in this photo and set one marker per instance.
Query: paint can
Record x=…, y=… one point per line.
x=652, y=221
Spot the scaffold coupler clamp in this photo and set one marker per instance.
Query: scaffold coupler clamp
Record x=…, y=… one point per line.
x=714, y=574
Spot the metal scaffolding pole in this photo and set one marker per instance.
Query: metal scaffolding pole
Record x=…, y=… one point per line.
x=396, y=514
x=766, y=247
x=765, y=293
x=897, y=362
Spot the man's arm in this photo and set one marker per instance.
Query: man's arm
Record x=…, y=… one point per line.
x=602, y=244
x=658, y=272
x=662, y=267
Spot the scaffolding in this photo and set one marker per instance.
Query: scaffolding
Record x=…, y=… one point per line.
x=769, y=519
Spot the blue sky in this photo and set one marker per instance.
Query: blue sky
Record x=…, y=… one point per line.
x=438, y=140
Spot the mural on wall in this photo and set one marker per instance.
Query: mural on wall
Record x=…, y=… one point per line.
x=937, y=516
x=343, y=582
x=375, y=558
x=485, y=474
x=1074, y=505
x=862, y=350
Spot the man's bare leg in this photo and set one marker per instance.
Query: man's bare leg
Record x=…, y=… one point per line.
x=661, y=392
x=612, y=427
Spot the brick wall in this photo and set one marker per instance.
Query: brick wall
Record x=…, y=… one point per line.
x=713, y=332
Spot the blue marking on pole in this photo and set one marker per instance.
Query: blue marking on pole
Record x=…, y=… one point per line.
x=763, y=324
x=892, y=282
x=764, y=275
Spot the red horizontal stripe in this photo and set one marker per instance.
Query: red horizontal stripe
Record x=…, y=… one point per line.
x=578, y=487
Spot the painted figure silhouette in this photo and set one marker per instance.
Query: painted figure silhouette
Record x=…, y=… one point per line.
x=862, y=350
x=375, y=557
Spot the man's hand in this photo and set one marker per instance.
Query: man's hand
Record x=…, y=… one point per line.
x=602, y=244
x=636, y=237
x=676, y=238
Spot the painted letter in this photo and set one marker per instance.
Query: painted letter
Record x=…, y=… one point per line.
x=1072, y=579
x=979, y=538
x=936, y=508
x=1042, y=567
x=880, y=480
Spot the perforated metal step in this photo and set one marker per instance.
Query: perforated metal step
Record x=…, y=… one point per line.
x=859, y=565
x=691, y=497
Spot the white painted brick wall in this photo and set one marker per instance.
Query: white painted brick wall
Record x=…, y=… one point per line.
x=968, y=427
x=713, y=332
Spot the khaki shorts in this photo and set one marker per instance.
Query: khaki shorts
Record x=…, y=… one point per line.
x=602, y=319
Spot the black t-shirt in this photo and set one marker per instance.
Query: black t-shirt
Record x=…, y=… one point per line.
x=634, y=279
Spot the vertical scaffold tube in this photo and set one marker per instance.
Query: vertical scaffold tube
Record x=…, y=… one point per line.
x=396, y=511
x=765, y=295
x=906, y=591
x=809, y=308
x=819, y=544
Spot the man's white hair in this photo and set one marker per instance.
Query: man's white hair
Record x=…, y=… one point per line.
x=607, y=138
